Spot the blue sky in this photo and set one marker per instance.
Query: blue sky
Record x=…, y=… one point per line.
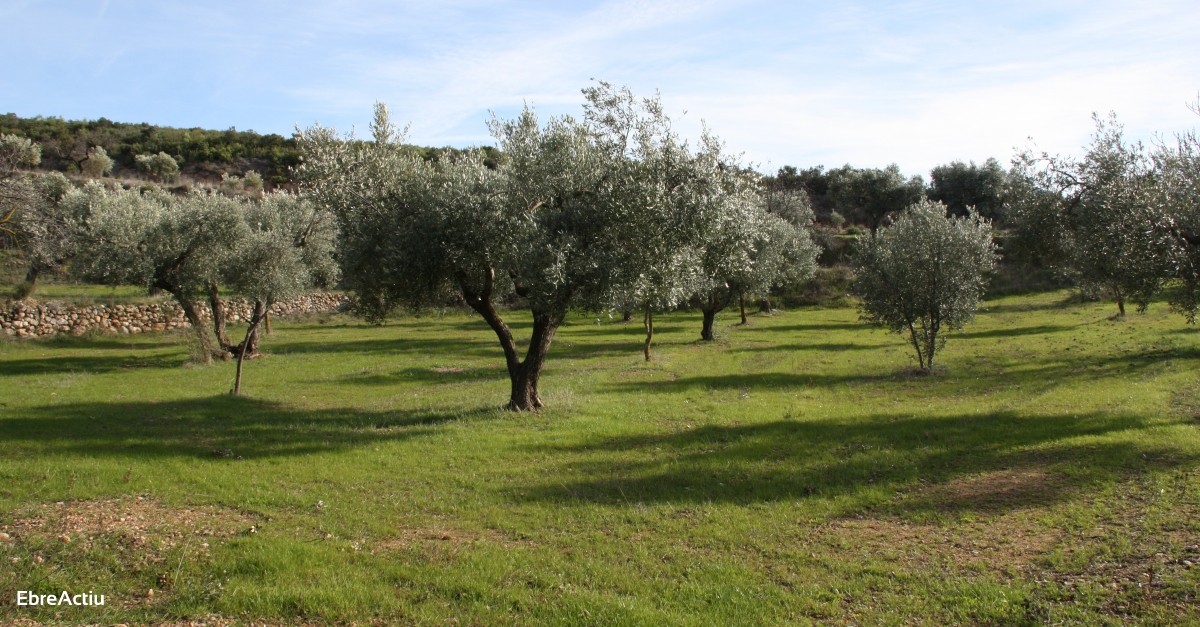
x=785, y=83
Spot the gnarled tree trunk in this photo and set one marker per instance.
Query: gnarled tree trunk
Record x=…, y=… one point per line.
x=523, y=374
x=710, y=308
x=217, y=307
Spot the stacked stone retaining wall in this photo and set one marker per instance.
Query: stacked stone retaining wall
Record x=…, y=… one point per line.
x=22, y=319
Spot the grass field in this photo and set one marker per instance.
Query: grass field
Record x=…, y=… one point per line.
x=793, y=471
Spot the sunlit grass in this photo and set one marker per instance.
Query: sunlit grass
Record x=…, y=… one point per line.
x=795, y=470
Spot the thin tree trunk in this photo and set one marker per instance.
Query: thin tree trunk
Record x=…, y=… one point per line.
x=1121, y=306
x=648, y=321
x=251, y=340
x=742, y=306
x=31, y=276
x=764, y=306
x=267, y=322
x=916, y=342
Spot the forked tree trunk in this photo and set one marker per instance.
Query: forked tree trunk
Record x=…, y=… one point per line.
x=648, y=321
x=527, y=372
x=251, y=340
x=523, y=374
x=710, y=309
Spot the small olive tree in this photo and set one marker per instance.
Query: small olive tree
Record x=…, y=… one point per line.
x=289, y=249
x=925, y=274
x=160, y=167
x=97, y=163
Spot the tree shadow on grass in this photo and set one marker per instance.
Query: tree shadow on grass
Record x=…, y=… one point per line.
x=1043, y=329
x=985, y=463
x=815, y=346
x=816, y=326
x=436, y=375
x=214, y=427
x=88, y=363
x=1039, y=376
x=387, y=345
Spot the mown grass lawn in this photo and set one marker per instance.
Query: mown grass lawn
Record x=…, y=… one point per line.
x=794, y=471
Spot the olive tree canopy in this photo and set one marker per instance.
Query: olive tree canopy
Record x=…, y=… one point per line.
x=556, y=222
x=925, y=274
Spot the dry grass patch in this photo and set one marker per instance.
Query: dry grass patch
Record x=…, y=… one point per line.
x=1006, y=546
x=138, y=521
x=136, y=535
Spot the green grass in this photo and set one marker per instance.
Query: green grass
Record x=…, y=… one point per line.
x=793, y=471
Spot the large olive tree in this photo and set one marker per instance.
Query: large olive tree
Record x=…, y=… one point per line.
x=1097, y=215
x=551, y=223
x=924, y=275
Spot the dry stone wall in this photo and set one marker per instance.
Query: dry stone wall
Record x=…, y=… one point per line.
x=33, y=320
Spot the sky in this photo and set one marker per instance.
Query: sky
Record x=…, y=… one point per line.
x=918, y=83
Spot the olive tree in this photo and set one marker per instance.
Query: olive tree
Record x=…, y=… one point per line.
x=871, y=194
x=45, y=228
x=1101, y=211
x=675, y=201
x=962, y=187
x=924, y=275
x=97, y=163
x=1178, y=196
x=160, y=167
x=545, y=224
x=782, y=253
x=151, y=238
x=288, y=249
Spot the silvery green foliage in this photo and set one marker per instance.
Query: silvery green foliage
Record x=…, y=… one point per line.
x=783, y=254
x=154, y=239
x=45, y=227
x=407, y=229
x=290, y=249
x=160, y=167
x=1178, y=167
x=97, y=163
x=16, y=190
x=1100, y=215
x=667, y=199
x=925, y=274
